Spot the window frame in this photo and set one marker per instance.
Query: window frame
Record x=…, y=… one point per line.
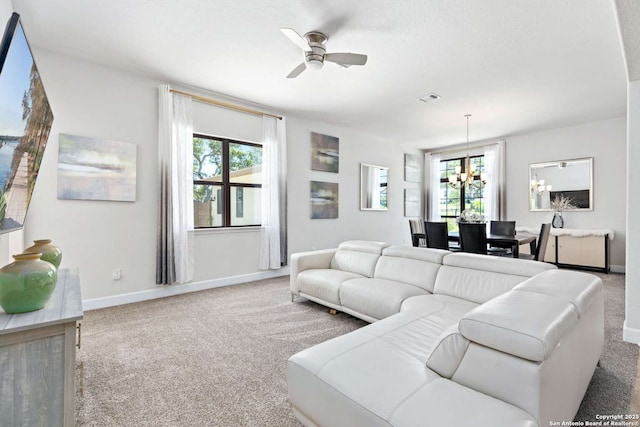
x=463, y=188
x=226, y=184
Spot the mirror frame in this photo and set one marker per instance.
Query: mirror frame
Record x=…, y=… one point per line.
x=362, y=168
x=552, y=163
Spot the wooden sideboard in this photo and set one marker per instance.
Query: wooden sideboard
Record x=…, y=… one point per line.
x=584, y=251
x=38, y=359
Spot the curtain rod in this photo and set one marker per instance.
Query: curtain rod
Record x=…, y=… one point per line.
x=225, y=104
x=462, y=148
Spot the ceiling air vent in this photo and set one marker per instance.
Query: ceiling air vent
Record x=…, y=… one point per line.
x=430, y=97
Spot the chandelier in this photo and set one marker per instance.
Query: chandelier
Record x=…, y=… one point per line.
x=468, y=177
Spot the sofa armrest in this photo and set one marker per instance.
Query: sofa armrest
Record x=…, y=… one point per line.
x=306, y=261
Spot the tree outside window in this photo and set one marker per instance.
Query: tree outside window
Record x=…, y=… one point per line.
x=227, y=182
x=454, y=200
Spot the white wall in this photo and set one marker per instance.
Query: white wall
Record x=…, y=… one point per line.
x=96, y=237
x=632, y=319
x=603, y=140
x=306, y=234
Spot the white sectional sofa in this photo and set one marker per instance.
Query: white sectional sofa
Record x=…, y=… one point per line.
x=458, y=339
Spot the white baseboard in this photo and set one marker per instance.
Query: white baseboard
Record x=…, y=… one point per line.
x=168, y=290
x=631, y=335
x=617, y=268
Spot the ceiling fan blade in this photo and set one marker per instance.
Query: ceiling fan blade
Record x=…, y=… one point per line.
x=296, y=71
x=296, y=38
x=346, y=59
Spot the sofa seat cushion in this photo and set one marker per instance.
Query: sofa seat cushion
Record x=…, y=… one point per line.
x=377, y=298
x=451, y=306
x=446, y=403
x=324, y=283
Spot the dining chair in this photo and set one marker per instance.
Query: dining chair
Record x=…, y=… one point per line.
x=541, y=246
x=437, y=235
x=502, y=228
x=418, y=237
x=473, y=237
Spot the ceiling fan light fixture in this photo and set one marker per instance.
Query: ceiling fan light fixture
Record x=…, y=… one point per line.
x=314, y=64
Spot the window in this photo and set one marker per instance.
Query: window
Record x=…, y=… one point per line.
x=227, y=182
x=455, y=200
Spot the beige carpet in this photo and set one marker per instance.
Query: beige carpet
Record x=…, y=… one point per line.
x=211, y=358
x=218, y=358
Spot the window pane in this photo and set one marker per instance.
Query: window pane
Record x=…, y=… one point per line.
x=448, y=167
x=245, y=205
x=245, y=164
x=207, y=159
x=207, y=206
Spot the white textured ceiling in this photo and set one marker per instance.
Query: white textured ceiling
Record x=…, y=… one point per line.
x=516, y=65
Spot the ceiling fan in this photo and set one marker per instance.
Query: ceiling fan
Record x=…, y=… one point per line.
x=315, y=52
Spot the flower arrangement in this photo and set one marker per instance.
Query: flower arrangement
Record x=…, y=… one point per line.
x=469, y=217
x=561, y=203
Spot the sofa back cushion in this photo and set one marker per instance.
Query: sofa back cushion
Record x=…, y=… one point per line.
x=479, y=278
x=415, y=266
x=358, y=256
x=363, y=263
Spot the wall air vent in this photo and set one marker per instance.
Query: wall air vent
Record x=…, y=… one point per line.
x=430, y=97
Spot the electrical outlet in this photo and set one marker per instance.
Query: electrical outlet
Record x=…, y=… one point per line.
x=117, y=273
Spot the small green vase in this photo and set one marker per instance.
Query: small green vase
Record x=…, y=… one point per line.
x=50, y=253
x=26, y=284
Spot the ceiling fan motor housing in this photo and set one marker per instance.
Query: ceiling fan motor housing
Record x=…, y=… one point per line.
x=315, y=58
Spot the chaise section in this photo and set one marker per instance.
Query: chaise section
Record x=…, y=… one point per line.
x=446, y=403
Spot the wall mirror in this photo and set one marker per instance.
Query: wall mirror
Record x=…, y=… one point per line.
x=572, y=179
x=373, y=187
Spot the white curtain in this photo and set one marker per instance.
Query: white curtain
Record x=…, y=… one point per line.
x=494, y=160
x=272, y=234
x=433, y=190
x=175, y=154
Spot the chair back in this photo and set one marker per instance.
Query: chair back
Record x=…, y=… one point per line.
x=418, y=238
x=473, y=237
x=437, y=235
x=541, y=248
x=503, y=228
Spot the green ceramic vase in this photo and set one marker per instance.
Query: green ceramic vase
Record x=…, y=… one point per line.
x=50, y=253
x=26, y=284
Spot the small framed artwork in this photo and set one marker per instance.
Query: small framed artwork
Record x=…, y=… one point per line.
x=325, y=153
x=324, y=199
x=96, y=169
x=412, y=168
x=411, y=202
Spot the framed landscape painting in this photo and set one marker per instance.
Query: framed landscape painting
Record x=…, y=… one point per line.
x=325, y=153
x=96, y=169
x=324, y=200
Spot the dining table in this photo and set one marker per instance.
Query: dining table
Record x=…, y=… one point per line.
x=513, y=241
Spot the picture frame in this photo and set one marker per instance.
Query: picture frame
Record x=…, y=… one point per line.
x=411, y=168
x=323, y=197
x=411, y=202
x=325, y=153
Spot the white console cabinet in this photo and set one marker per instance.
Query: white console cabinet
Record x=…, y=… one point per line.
x=578, y=248
x=38, y=359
